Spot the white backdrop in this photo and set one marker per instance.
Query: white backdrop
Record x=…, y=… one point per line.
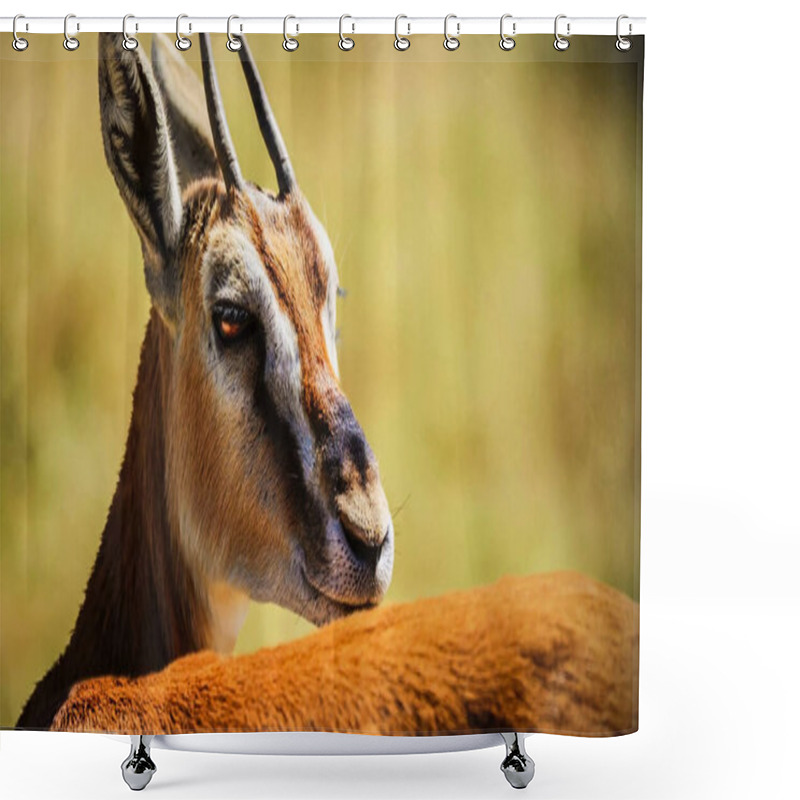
x=720, y=609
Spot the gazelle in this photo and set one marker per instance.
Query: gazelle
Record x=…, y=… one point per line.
x=246, y=475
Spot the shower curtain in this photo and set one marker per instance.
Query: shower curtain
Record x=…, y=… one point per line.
x=320, y=385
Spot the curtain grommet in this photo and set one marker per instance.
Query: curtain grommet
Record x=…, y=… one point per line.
x=561, y=43
x=346, y=43
x=451, y=43
x=401, y=43
x=71, y=43
x=18, y=43
x=290, y=43
x=182, y=42
x=507, y=42
x=623, y=44
x=128, y=42
x=234, y=43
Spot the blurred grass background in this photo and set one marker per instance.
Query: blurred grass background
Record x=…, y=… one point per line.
x=483, y=208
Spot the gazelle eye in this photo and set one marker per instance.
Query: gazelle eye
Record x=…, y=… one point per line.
x=231, y=322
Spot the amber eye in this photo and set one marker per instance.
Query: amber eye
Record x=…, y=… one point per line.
x=231, y=322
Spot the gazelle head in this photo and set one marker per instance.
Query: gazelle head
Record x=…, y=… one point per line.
x=271, y=485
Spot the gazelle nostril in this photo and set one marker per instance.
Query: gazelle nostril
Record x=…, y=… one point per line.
x=365, y=552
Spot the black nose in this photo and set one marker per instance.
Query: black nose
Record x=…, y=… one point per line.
x=366, y=553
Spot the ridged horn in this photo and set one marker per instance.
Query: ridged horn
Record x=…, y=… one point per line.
x=267, y=123
x=223, y=144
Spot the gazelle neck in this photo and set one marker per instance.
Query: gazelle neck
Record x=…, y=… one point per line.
x=144, y=606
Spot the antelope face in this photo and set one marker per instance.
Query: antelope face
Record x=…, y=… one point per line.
x=271, y=482
x=278, y=487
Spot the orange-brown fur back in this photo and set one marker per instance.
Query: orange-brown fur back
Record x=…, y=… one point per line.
x=553, y=653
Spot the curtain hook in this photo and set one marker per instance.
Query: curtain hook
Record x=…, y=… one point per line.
x=507, y=42
x=234, y=43
x=623, y=44
x=18, y=43
x=70, y=42
x=401, y=42
x=346, y=42
x=560, y=43
x=128, y=42
x=451, y=42
x=181, y=42
x=290, y=44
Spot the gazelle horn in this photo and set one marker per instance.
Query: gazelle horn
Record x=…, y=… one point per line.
x=223, y=144
x=267, y=123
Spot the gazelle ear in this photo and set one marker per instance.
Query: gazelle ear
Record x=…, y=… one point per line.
x=185, y=101
x=139, y=154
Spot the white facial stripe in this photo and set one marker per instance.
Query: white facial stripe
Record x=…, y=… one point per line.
x=328, y=310
x=232, y=271
x=328, y=320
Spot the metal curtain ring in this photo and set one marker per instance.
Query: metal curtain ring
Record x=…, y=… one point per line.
x=507, y=42
x=128, y=42
x=345, y=42
x=560, y=43
x=623, y=44
x=18, y=43
x=401, y=42
x=234, y=43
x=450, y=42
x=290, y=44
x=70, y=42
x=181, y=42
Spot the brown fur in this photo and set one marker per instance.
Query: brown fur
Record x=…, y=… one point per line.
x=554, y=653
x=143, y=607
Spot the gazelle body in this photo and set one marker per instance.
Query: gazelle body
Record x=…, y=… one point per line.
x=246, y=475
x=546, y=652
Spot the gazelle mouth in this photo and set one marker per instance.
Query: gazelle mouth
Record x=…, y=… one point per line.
x=338, y=575
x=346, y=603
x=323, y=607
x=349, y=608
